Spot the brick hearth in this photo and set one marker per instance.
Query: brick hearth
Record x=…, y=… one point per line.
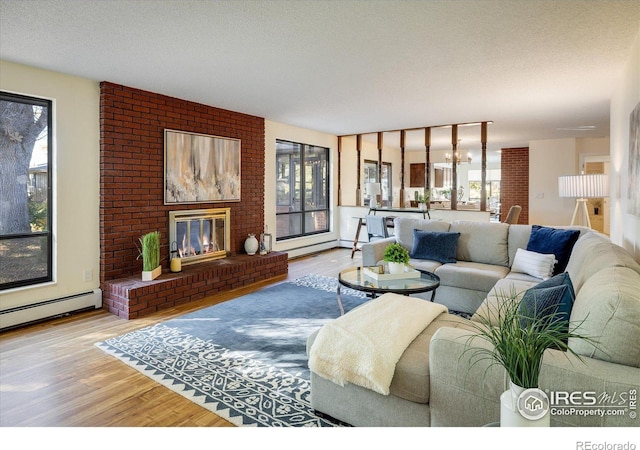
x=131, y=298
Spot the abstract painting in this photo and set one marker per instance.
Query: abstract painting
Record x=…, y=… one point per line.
x=200, y=168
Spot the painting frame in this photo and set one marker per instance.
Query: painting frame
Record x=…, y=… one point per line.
x=201, y=168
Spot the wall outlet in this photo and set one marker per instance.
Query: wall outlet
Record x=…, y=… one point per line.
x=540, y=195
x=87, y=275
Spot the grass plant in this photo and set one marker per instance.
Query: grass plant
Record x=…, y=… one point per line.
x=519, y=338
x=150, y=251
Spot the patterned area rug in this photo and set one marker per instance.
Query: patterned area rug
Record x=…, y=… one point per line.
x=244, y=359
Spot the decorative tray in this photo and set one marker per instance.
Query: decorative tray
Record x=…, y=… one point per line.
x=372, y=272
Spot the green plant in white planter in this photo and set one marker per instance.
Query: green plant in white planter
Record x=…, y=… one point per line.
x=422, y=200
x=396, y=256
x=519, y=334
x=150, y=253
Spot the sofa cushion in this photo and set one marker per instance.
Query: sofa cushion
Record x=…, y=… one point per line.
x=592, y=252
x=535, y=264
x=607, y=309
x=403, y=229
x=411, y=377
x=471, y=275
x=518, y=238
x=552, y=298
x=482, y=242
x=553, y=240
x=435, y=245
x=507, y=287
x=424, y=264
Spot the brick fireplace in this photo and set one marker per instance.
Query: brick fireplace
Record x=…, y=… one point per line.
x=132, y=124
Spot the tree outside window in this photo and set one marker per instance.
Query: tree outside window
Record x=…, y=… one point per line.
x=25, y=191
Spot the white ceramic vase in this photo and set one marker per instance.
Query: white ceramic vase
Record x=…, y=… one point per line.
x=395, y=267
x=251, y=245
x=510, y=412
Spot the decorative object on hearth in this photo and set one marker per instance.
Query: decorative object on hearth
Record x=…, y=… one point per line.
x=251, y=244
x=265, y=241
x=581, y=187
x=150, y=254
x=397, y=257
x=175, y=262
x=519, y=329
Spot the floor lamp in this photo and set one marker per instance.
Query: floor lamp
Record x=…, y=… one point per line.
x=582, y=187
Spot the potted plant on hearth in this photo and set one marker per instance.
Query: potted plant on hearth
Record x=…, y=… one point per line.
x=150, y=253
x=519, y=329
x=397, y=257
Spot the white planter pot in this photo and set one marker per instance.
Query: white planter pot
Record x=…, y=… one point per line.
x=148, y=275
x=520, y=407
x=395, y=267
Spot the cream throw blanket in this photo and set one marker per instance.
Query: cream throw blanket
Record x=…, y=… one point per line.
x=364, y=346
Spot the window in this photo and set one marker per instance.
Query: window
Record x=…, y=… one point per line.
x=25, y=191
x=371, y=176
x=302, y=189
x=492, y=186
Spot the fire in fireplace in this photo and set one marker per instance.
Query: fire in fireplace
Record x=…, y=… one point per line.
x=200, y=234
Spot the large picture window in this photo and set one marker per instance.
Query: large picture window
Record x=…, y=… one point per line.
x=25, y=191
x=302, y=189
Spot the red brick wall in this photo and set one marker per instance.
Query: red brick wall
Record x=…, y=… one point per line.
x=132, y=124
x=514, y=185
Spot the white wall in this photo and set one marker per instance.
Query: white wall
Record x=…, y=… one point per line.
x=625, y=228
x=76, y=172
x=299, y=246
x=548, y=160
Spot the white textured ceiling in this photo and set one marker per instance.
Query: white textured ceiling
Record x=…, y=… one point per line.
x=537, y=69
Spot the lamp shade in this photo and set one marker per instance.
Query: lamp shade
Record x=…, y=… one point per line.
x=584, y=186
x=373, y=189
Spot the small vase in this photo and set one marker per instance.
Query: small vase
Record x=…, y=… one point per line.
x=520, y=407
x=396, y=267
x=251, y=245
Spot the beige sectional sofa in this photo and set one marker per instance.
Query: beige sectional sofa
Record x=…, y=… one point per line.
x=436, y=384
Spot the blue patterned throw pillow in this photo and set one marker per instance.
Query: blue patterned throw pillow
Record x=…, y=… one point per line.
x=552, y=299
x=435, y=246
x=553, y=240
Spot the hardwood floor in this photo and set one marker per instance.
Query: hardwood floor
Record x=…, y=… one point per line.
x=51, y=374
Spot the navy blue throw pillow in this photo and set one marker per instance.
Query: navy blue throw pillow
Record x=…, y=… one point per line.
x=435, y=246
x=553, y=240
x=552, y=299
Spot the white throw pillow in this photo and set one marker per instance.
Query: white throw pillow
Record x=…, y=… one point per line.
x=537, y=265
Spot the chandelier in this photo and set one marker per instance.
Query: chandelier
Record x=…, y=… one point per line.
x=448, y=158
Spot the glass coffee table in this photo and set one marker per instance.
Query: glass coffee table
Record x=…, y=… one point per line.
x=355, y=278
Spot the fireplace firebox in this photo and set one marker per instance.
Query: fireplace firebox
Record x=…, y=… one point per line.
x=200, y=235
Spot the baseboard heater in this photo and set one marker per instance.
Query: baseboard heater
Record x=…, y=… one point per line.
x=22, y=315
